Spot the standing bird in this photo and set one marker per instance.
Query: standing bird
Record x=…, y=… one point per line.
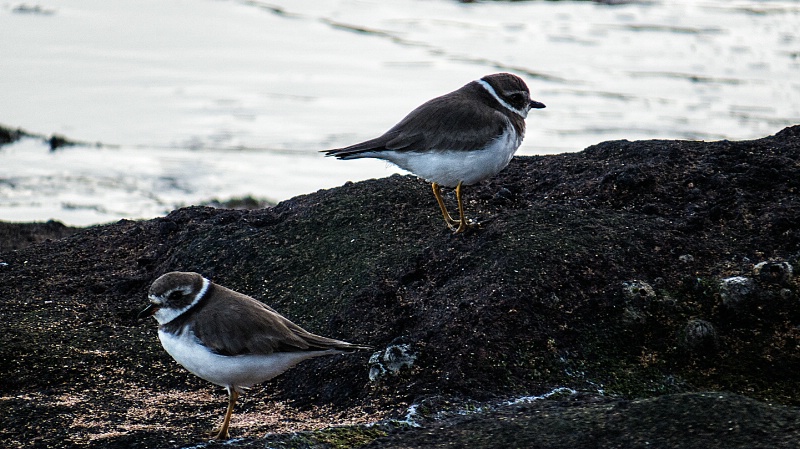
x=228, y=338
x=460, y=138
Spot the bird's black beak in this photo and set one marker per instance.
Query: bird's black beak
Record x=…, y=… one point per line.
x=147, y=312
x=537, y=105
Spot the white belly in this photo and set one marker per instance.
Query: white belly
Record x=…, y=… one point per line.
x=448, y=168
x=241, y=371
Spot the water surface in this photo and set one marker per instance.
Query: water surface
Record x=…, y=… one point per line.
x=200, y=99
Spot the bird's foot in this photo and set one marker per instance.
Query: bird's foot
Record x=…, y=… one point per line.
x=463, y=225
x=219, y=433
x=452, y=223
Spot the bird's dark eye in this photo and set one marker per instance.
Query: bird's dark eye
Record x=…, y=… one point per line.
x=517, y=98
x=175, y=295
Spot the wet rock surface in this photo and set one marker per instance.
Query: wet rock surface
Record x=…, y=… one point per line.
x=606, y=271
x=688, y=420
x=15, y=236
x=55, y=141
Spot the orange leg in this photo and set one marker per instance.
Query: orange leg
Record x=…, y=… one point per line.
x=451, y=222
x=437, y=192
x=462, y=224
x=222, y=433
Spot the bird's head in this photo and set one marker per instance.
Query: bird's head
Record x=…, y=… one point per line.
x=172, y=294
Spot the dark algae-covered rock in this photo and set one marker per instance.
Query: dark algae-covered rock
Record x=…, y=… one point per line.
x=655, y=279
x=20, y=235
x=700, y=420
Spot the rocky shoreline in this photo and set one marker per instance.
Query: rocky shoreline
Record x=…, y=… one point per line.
x=658, y=280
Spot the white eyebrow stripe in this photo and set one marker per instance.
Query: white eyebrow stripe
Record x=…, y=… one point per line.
x=164, y=316
x=490, y=89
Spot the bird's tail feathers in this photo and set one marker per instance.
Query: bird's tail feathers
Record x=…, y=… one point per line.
x=330, y=343
x=345, y=154
x=359, y=150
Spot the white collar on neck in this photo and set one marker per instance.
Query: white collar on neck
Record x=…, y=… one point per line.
x=490, y=89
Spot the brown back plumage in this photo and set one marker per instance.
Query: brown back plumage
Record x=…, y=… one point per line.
x=230, y=323
x=454, y=121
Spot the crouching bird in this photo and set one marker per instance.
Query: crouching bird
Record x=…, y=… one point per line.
x=228, y=338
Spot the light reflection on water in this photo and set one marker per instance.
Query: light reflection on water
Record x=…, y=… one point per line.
x=208, y=99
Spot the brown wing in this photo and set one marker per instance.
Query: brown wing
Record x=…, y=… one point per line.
x=449, y=122
x=231, y=323
x=444, y=124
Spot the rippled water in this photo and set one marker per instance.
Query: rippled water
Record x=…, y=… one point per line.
x=200, y=99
